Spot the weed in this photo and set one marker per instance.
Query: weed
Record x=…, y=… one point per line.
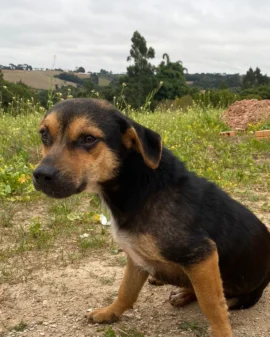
x=19, y=327
x=122, y=333
x=109, y=333
x=6, y=216
x=94, y=242
x=122, y=261
x=198, y=330
x=130, y=333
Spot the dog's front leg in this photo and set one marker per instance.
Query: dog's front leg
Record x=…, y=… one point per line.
x=206, y=281
x=131, y=285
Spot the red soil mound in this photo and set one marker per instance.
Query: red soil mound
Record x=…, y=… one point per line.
x=242, y=113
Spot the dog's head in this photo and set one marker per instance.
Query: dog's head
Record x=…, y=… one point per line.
x=84, y=144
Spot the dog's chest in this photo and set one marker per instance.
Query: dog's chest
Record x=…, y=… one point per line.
x=128, y=244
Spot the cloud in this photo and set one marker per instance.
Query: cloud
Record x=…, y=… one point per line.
x=206, y=36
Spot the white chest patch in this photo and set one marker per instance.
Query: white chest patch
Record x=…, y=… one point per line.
x=127, y=243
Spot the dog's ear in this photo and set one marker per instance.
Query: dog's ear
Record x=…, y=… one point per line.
x=143, y=140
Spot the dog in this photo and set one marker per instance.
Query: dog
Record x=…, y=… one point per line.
x=173, y=225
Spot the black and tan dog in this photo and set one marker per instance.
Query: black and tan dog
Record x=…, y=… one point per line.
x=173, y=225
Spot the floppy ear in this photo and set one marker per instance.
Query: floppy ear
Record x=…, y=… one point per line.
x=143, y=140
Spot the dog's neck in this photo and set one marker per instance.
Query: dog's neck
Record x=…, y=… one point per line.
x=136, y=184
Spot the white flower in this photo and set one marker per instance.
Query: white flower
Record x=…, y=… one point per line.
x=84, y=236
x=103, y=220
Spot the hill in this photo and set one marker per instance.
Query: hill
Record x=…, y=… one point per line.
x=37, y=79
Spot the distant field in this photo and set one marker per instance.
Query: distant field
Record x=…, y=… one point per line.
x=83, y=76
x=36, y=79
x=103, y=82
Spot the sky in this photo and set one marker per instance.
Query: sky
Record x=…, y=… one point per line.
x=207, y=36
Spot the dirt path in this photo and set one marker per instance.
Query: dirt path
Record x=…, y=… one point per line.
x=53, y=303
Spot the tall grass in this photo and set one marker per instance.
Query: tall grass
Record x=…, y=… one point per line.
x=193, y=136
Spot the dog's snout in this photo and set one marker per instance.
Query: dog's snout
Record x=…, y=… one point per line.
x=45, y=174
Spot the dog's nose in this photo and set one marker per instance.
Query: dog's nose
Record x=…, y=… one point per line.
x=45, y=174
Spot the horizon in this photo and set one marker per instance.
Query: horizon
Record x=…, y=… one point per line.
x=208, y=37
x=35, y=68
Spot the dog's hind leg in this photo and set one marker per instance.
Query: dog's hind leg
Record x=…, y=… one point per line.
x=131, y=285
x=207, y=284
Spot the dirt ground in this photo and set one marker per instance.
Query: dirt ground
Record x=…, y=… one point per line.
x=53, y=298
x=53, y=303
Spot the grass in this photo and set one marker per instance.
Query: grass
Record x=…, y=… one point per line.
x=33, y=225
x=197, y=329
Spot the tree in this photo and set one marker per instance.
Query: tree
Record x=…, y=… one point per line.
x=79, y=70
x=254, y=78
x=223, y=86
x=94, y=78
x=140, y=77
x=172, y=76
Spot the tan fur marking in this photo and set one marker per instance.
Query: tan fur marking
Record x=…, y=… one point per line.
x=206, y=280
x=145, y=253
x=44, y=150
x=51, y=123
x=95, y=166
x=131, y=139
x=131, y=285
x=82, y=125
x=99, y=165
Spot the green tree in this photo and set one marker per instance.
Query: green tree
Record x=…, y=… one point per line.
x=140, y=77
x=79, y=70
x=94, y=78
x=172, y=76
x=223, y=86
x=255, y=78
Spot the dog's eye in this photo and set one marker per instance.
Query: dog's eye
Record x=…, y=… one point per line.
x=44, y=135
x=89, y=139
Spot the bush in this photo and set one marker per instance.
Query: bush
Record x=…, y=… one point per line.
x=9, y=92
x=216, y=98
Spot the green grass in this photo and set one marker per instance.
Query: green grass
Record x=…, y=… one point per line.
x=19, y=153
x=197, y=329
x=31, y=223
x=193, y=137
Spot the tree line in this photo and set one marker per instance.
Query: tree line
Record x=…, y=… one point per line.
x=169, y=82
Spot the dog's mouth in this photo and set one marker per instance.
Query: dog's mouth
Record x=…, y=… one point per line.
x=57, y=186
x=59, y=192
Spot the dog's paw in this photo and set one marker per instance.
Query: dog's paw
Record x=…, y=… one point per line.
x=155, y=282
x=181, y=297
x=102, y=315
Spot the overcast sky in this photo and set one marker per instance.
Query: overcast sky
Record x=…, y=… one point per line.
x=206, y=35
